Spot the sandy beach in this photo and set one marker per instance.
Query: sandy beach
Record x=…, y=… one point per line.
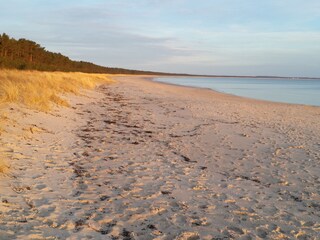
x=139, y=159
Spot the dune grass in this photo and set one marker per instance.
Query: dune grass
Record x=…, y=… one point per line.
x=41, y=90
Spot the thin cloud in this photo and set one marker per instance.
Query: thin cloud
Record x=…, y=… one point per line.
x=178, y=35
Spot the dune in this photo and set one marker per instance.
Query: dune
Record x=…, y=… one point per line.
x=139, y=159
x=41, y=91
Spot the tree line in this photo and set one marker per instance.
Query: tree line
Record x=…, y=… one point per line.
x=24, y=54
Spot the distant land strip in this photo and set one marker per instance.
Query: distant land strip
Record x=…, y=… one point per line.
x=24, y=54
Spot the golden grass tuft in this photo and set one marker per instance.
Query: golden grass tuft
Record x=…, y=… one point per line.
x=41, y=90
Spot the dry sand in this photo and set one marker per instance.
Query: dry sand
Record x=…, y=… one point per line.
x=145, y=160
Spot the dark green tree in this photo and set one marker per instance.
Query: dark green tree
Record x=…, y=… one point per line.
x=26, y=54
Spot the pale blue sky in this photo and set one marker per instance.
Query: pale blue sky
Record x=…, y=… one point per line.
x=245, y=37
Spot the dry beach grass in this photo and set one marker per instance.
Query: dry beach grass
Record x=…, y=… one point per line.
x=40, y=90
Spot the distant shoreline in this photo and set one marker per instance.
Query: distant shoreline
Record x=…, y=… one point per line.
x=240, y=76
x=300, y=92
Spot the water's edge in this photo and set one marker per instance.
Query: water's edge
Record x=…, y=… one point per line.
x=289, y=91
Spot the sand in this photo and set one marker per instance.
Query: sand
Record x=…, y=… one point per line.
x=146, y=160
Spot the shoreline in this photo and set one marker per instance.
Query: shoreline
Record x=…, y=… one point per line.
x=141, y=159
x=256, y=77
x=214, y=91
x=231, y=94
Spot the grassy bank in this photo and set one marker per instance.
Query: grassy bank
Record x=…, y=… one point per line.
x=41, y=90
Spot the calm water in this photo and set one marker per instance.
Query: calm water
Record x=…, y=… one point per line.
x=300, y=91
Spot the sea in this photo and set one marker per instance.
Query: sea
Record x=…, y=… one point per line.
x=285, y=90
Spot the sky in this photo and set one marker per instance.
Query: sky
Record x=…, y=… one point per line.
x=228, y=37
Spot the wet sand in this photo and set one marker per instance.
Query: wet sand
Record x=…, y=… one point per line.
x=145, y=160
